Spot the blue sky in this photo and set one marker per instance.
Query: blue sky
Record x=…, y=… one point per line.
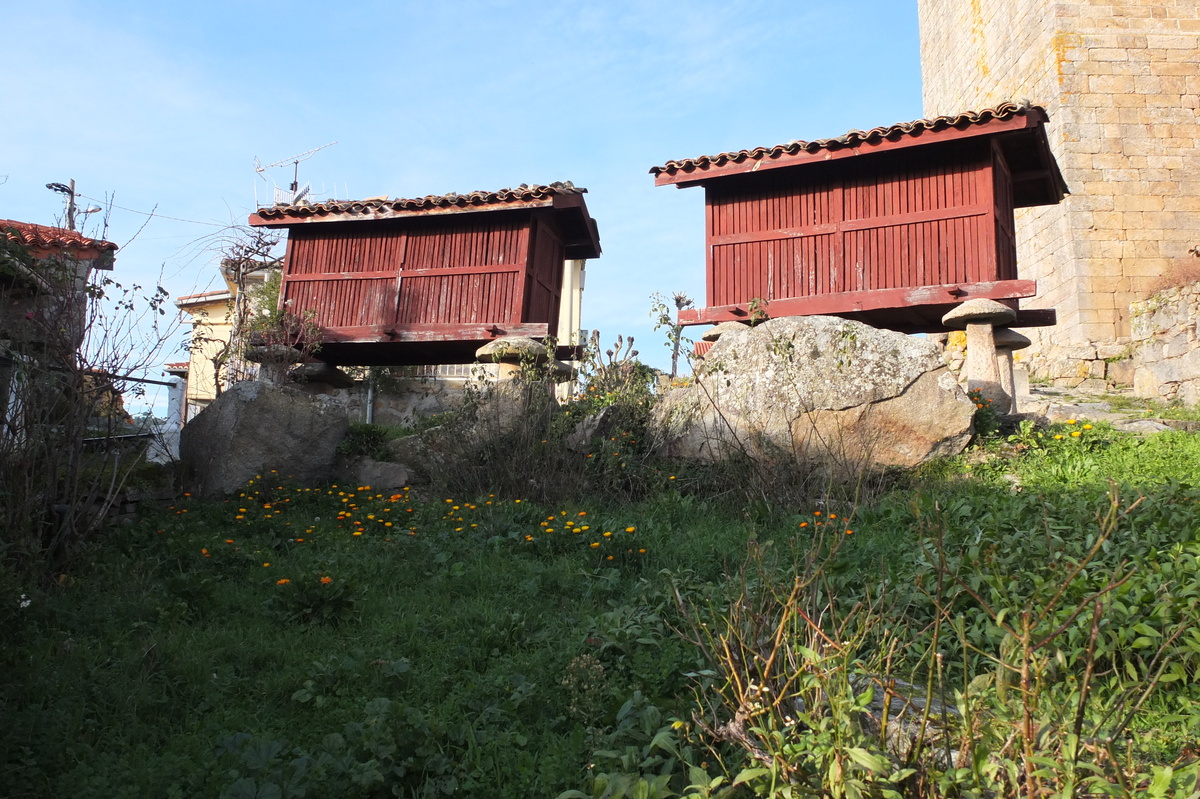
x=167, y=105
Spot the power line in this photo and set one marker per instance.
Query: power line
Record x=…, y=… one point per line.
x=154, y=214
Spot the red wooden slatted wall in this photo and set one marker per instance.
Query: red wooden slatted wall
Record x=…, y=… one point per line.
x=543, y=285
x=1006, y=237
x=345, y=277
x=426, y=272
x=461, y=272
x=906, y=219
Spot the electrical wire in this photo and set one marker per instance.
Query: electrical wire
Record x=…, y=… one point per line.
x=153, y=213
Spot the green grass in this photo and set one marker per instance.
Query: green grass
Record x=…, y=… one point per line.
x=459, y=647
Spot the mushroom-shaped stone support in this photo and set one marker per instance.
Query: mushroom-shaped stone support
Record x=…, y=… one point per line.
x=511, y=353
x=979, y=317
x=1006, y=341
x=273, y=361
x=714, y=333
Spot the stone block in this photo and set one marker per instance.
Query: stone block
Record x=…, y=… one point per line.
x=1120, y=373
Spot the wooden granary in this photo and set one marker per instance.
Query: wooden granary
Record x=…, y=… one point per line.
x=430, y=280
x=893, y=226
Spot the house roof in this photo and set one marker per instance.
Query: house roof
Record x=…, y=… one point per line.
x=1027, y=150
x=382, y=207
x=48, y=238
x=203, y=298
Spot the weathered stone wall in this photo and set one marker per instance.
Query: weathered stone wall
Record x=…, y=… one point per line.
x=1120, y=81
x=1165, y=354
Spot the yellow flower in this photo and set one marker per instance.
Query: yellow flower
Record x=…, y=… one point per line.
x=607, y=534
x=1087, y=427
x=283, y=581
x=1075, y=434
x=630, y=529
x=265, y=565
x=1070, y=421
x=1058, y=437
x=594, y=544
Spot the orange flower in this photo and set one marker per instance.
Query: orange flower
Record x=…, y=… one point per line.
x=284, y=581
x=326, y=580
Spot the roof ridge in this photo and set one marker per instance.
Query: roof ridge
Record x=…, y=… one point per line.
x=523, y=192
x=852, y=138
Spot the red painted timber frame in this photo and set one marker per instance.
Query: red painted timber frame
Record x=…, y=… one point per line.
x=375, y=334
x=854, y=301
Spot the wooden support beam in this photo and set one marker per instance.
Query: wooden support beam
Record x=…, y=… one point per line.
x=855, y=301
x=401, y=334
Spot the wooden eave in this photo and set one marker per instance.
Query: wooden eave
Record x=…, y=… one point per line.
x=1022, y=138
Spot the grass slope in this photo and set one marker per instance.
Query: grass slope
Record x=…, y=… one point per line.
x=297, y=641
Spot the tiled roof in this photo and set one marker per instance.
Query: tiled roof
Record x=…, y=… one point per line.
x=51, y=237
x=852, y=138
x=203, y=298
x=522, y=193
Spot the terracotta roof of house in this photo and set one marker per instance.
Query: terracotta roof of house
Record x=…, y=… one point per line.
x=32, y=235
x=852, y=138
x=385, y=206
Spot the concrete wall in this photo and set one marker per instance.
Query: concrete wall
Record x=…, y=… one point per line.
x=1121, y=83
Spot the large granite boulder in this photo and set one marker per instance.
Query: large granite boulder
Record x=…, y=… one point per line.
x=818, y=389
x=253, y=428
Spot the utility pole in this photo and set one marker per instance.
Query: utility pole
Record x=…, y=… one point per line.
x=69, y=190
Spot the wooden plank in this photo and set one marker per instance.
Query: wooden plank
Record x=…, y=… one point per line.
x=309, y=276
x=402, y=333
x=852, y=301
x=862, y=223
x=485, y=269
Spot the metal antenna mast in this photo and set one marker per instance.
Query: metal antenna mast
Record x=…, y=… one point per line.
x=295, y=162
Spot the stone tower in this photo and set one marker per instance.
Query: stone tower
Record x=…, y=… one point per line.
x=1121, y=82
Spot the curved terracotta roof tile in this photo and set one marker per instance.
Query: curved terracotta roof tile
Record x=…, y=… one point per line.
x=522, y=193
x=32, y=235
x=851, y=138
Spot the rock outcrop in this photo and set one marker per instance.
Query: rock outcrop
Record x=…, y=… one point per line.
x=253, y=428
x=818, y=389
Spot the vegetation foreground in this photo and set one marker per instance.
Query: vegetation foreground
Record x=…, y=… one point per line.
x=1018, y=622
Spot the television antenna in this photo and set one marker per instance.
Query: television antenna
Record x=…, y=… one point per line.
x=293, y=194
